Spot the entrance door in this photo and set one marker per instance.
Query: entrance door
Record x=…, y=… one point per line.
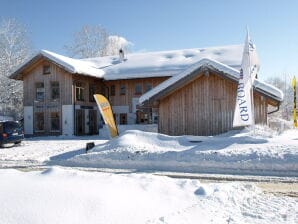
x=93, y=129
x=80, y=122
x=123, y=118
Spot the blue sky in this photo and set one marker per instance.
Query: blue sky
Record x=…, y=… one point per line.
x=169, y=24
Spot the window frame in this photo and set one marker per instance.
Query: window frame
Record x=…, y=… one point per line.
x=148, y=87
x=38, y=91
x=55, y=87
x=113, y=90
x=138, y=91
x=79, y=91
x=46, y=69
x=122, y=89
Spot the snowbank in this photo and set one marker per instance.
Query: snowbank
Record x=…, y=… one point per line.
x=69, y=196
x=104, y=132
x=246, y=152
x=40, y=150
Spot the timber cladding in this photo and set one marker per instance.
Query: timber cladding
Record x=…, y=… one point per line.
x=204, y=106
x=118, y=98
x=35, y=75
x=47, y=108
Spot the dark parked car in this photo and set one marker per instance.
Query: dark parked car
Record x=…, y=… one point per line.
x=10, y=132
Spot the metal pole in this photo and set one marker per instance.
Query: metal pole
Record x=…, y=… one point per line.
x=251, y=90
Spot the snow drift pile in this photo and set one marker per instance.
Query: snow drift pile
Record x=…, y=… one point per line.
x=245, y=152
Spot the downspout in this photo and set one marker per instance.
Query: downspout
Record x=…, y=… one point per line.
x=277, y=109
x=74, y=108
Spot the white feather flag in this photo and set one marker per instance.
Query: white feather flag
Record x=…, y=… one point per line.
x=243, y=114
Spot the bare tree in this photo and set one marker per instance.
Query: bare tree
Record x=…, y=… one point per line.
x=115, y=43
x=286, y=106
x=15, y=47
x=95, y=41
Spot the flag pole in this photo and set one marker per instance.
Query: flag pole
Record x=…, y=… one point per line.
x=251, y=84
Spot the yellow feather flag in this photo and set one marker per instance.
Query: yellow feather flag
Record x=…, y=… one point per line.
x=294, y=82
x=294, y=109
x=107, y=114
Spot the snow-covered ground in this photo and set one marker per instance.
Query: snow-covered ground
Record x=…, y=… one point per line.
x=259, y=152
x=70, y=196
x=41, y=150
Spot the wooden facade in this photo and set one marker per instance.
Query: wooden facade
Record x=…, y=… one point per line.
x=48, y=106
x=204, y=106
x=76, y=92
x=201, y=102
x=124, y=96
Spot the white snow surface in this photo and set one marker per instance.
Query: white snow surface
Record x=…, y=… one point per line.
x=148, y=64
x=70, y=196
x=74, y=65
x=41, y=150
x=174, y=63
x=167, y=63
x=258, y=152
x=236, y=152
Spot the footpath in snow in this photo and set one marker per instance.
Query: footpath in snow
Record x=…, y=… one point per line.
x=258, y=152
x=70, y=196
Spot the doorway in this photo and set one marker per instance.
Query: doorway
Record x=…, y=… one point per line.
x=80, y=122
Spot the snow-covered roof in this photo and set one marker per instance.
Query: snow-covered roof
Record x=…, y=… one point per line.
x=164, y=63
x=69, y=64
x=140, y=65
x=232, y=73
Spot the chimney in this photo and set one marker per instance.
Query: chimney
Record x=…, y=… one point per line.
x=121, y=55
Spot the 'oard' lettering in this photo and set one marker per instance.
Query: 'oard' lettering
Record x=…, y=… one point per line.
x=242, y=103
x=244, y=107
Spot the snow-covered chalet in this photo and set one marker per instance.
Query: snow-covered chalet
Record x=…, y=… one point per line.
x=190, y=91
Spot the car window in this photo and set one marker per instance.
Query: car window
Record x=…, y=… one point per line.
x=1, y=127
x=10, y=126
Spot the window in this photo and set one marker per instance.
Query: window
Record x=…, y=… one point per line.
x=92, y=91
x=46, y=69
x=79, y=91
x=39, y=121
x=122, y=90
x=55, y=90
x=138, y=89
x=55, y=121
x=40, y=92
x=113, y=90
x=148, y=87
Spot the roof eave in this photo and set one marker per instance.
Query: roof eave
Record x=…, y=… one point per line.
x=17, y=74
x=163, y=93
